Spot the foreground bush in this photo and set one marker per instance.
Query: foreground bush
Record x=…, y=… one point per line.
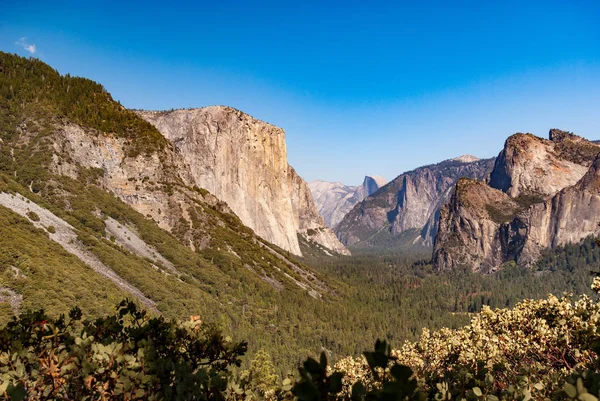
x=538, y=350
x=545, y=349
x=128, y=356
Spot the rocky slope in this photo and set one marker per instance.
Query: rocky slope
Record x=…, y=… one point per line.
x=541, y=194
x=408, y=205
x=334, y=199
x=94, y=196
x=243, y=162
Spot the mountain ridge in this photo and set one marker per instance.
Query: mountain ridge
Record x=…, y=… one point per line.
x=407, y=204
x=77, y=165
x=541, y=194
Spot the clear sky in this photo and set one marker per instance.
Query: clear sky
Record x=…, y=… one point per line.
x=361, y=87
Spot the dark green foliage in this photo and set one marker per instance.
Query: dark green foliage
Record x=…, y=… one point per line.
x=33, y=216
x=419, y=298
x=315, y=384
x=30, y=88
x=525, y=201
x=128, y=355
x=45, y=274
x=389, y=380
x=580, y=152
x=571, y=257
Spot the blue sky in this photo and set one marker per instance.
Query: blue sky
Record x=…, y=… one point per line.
x=360, y=87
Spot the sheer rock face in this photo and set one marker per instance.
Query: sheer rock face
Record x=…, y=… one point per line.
x=371, y=184
x=469, y=227
x=334, y=199
x=542, y=194
x=410, y=201
x=568, y=217
x=243, y=162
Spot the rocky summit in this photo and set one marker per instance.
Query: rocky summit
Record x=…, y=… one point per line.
x=243, y=162
x=408, y=206
x=334, y=199
x=542, y=193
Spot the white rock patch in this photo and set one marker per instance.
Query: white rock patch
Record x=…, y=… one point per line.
x=65, y=235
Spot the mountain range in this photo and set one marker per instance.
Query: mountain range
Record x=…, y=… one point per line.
x=112, y=182
x=406, y=210
x=541, y=194
x=538, y=194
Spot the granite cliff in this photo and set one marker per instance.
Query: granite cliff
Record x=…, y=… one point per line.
x=97, y=205
x=408, y=205
x=334, y=199
x=541, y=194
x=243, y=162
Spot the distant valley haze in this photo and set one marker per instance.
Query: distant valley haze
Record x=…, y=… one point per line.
x=360, y=88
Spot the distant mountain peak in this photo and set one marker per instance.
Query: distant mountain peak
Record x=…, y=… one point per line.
x=334, y=199
x=466, y=158
x=379, y=180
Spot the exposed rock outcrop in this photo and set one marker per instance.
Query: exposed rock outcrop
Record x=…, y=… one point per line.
x=142, y=181
x=161, y=187
x=479, y=210
x=243, y=162
x=541, y=194
x=529, y=165
x=371, y=184
x=410, y=202
x=334, y=199
x=65, y=235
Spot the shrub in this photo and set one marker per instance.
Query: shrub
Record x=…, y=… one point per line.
x=545, y=349
x=33, y=216
x=128, y=355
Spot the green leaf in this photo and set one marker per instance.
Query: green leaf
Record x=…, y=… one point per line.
x=477, y=391
x=570, y=390
x=587, y=397
x=305, y=391
x=358, y=391
x=580, y=387
x=323, y=361
x=401, y=373
x=335, y=382
x=312, y=366
x=17, y=393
